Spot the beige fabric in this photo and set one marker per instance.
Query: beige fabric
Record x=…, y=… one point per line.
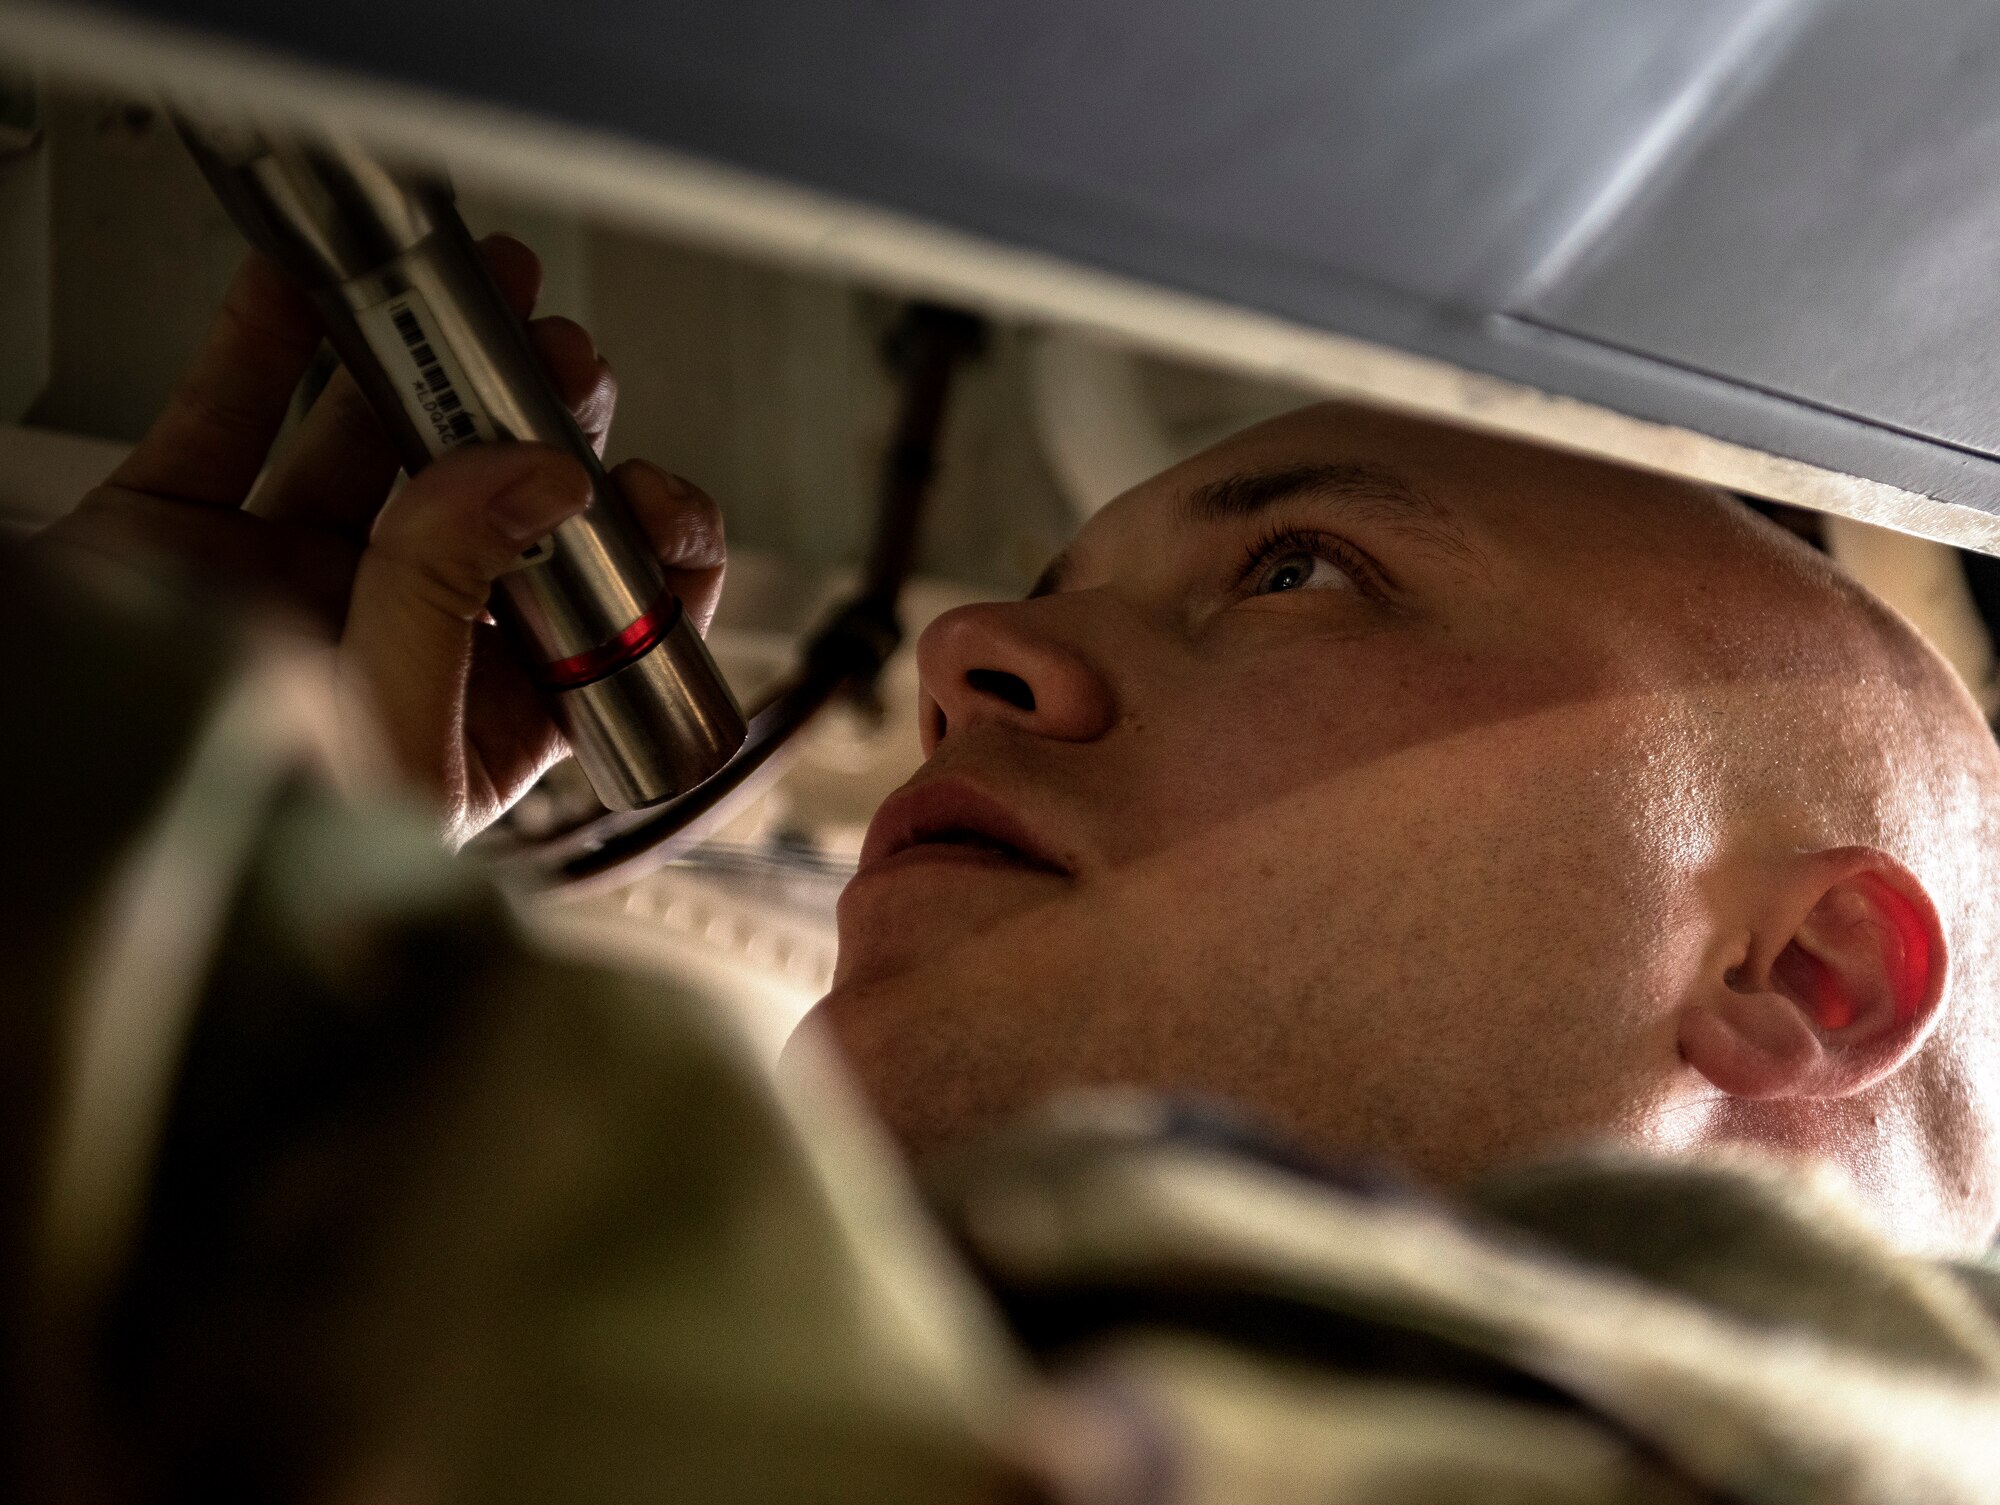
x=1742, y=1329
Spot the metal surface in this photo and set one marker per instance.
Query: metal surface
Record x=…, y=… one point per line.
x=396, y=278
x=1717, y=230
x=928, y=345
x=1434, y=146
x=1834, y=240
x=656, y=728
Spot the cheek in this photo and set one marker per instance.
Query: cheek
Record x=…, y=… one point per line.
x=1230, y=737
x=1441, y=828
x=1383, y=961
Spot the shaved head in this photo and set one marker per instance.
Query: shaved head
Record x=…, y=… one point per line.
x=1441, y=800
x=1829, y=722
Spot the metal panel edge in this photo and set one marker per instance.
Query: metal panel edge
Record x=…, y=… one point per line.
x=1452, y=378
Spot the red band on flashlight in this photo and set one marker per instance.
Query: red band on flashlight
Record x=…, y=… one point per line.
x=606, y=659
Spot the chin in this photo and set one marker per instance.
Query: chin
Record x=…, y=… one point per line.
x=891, y=922
x=852, y=1027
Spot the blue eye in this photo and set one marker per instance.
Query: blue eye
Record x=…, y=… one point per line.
x=1293, y=559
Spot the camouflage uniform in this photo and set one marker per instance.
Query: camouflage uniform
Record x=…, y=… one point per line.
x=326, y=1184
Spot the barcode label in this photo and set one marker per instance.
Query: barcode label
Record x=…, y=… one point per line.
x=404, y=334
x=433, y=388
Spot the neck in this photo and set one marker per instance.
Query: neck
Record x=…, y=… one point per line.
x=1882, y=1148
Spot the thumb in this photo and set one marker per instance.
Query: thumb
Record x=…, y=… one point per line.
x=421, y=589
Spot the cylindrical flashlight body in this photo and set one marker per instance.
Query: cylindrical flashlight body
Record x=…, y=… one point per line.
x=411, y=310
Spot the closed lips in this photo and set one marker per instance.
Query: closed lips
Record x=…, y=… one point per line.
x=952, y=813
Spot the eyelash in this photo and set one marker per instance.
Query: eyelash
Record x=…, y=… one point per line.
x=1369, y=577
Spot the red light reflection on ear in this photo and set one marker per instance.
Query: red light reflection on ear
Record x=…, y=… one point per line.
x=1912, y=964
x=1831, y=1004
x=1907, y=957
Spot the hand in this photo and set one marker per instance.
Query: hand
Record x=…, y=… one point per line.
x=401, y=589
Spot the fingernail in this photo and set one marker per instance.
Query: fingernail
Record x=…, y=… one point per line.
x=535, y=504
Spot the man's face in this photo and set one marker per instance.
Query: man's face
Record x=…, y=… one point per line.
x=1338, y=773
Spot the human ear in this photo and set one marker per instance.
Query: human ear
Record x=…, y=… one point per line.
x=1839, y=983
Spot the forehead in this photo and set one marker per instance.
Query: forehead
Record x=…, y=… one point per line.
x=1494, y=495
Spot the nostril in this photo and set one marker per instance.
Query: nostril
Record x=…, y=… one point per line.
x=1002, y=686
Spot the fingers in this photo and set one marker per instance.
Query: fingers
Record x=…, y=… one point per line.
x=421, y=590
x=337, y=468
x=459, y=526
x=582, y=378
x=516, y=271
x=685, y=528
x=507, y=727
x=210, y=440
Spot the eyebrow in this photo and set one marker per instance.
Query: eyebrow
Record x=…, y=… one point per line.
x=1377, y=495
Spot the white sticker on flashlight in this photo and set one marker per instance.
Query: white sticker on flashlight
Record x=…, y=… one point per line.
x=427, y=376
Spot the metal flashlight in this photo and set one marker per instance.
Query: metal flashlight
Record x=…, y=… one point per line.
x=410, y=308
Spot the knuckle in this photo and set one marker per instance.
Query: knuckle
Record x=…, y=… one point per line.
x=698, y=511
x=455, y=586
x=597, y=402
x=697, y=541
x=449, y=566
x=685, y=522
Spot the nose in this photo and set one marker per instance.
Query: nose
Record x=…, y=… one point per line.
x=1000, y=661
